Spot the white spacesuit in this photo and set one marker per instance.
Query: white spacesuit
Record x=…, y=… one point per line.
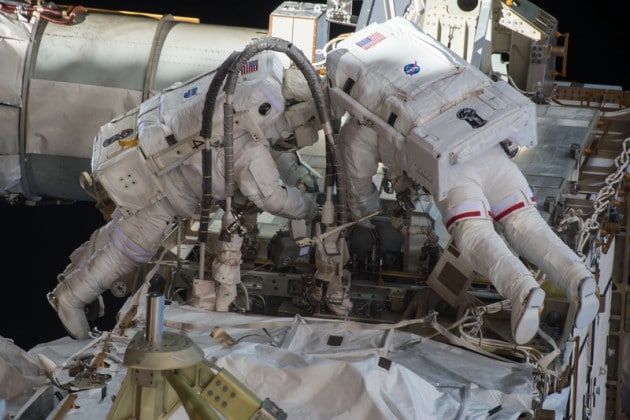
x=149, y=163
x=427, y=115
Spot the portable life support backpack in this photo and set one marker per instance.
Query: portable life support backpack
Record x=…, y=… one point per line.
x=432, y=109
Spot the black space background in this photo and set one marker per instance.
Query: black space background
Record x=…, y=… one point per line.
x=36, y=241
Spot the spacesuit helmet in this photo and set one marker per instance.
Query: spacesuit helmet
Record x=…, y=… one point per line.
x=273, y=103
x=258, y=102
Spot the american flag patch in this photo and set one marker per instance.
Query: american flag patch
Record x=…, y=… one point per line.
x=250, y=67
x=370, y=41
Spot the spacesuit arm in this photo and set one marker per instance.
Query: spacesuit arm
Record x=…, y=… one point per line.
x=358, y=145
x=288, y=202
x=259, y=180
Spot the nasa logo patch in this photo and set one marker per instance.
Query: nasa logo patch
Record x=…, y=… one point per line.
x=471, y=117
x=191, y=92
x=412, y=68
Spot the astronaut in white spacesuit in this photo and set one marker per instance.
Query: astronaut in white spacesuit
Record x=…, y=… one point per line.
x=149, y=162
x=484, y=188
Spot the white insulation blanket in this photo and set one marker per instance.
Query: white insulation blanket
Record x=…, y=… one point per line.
x=372, y=374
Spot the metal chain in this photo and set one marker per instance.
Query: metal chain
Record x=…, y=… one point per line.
x=602, y=201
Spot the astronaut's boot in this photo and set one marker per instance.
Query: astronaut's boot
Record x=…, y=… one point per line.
x=582, y=292
x=84, y=285
x=585, y=300
x=525, y=317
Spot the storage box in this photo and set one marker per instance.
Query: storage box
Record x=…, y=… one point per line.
x=304, y=24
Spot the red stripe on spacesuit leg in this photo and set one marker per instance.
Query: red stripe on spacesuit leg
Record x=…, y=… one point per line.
x=462, y=216
x=513, y=208
x=509, y=210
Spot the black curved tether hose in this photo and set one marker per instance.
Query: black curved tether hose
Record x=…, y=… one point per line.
x=206, y=156
x=206, y=134
x=230, y=69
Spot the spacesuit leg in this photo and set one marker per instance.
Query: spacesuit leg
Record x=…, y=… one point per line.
x=514, y=207
x=99, y=238
x=471, y=228
x=531, y=237
x=134, y=240
x=358, y=145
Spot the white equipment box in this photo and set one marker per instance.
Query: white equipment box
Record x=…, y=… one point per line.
x=304, y=24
